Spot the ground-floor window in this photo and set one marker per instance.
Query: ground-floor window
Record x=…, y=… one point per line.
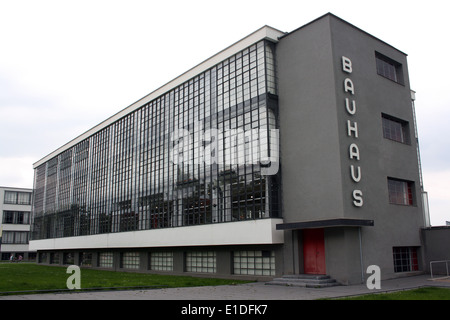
x=161, y=261
x=130, y=260
x=405, y=259
x=54, y=258
x=68, y=258
x=43, y=257
x=86, y=259
x=105, y=259
x=254, y=263
x=201, y=261
x=6, y=255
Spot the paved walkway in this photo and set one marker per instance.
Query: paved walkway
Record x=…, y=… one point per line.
x=251, y=291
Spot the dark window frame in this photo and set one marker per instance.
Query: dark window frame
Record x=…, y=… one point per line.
x=16, y=217
x=396, y=129
x=389, y=68
x=401, y=192
x=405, y=259
x=16, y=237
x=18, y=199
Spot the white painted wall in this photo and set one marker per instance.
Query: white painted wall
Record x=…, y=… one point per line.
x=231, y=233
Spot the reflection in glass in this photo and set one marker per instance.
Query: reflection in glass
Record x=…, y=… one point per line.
x=124, y=178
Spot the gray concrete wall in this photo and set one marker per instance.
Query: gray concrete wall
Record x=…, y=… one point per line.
x=315, y=144
x=437, y=248
x=395, y=225
x=343, y=255
x=309, y=145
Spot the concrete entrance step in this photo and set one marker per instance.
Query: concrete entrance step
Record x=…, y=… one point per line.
x=304, y=280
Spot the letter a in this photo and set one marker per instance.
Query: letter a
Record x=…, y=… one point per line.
x=73, y=282
x=373, y=282
x=354, y=151
x=348, y=86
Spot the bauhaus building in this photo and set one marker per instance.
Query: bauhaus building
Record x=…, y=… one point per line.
x=285, y=153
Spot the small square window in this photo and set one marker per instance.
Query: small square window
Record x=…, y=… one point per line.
x=389, y=68
x=10, y=197
x=395, y=129
x=130, y=260
x=8, y=217
x=401, y=192
x=405, y=259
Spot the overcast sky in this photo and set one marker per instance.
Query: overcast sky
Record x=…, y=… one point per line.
x=65, y=66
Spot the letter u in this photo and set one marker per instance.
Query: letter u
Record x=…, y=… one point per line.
x=351, y=108
x=354, y=177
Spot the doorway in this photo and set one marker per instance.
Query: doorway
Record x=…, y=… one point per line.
x=314, y=251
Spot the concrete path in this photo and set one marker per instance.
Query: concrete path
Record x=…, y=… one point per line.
x=251, y=291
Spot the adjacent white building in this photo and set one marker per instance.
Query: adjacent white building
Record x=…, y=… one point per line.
x=15, y=218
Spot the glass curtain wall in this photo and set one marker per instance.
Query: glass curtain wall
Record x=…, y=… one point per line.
x=192, y=156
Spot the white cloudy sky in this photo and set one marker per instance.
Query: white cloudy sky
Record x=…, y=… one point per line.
x=67, y=65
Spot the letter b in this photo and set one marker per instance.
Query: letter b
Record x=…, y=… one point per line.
x=73, y=282
x=347, y=65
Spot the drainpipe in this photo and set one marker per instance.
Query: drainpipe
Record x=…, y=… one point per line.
x=361, y=255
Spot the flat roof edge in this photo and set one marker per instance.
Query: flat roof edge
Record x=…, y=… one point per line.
x=329, y=14
x=263, y=33
x=327, y=223
x=16, y=188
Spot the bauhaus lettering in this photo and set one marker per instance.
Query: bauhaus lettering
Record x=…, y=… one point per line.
x=352, y=132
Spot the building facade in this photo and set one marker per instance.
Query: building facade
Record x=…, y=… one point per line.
x=284, y=153
x=15, y=221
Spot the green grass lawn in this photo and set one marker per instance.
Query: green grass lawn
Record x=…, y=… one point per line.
x=429, y=293
x=28, y=276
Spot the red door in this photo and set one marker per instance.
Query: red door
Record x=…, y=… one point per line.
x=314, y=251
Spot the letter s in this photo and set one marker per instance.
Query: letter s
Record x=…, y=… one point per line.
x=357, y=198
